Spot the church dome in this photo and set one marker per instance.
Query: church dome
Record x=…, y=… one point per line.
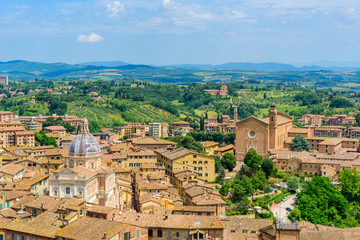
x=84, y=143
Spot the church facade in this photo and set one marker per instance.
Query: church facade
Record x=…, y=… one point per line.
x=83, y=174
x=262, y=135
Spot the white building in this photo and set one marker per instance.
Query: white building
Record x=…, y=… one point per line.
x=83, y=174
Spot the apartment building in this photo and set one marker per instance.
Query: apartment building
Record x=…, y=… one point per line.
x=179, y=159
x=158, y=130
x=312, y=119
x=131, y=130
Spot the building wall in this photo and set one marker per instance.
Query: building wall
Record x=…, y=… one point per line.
x=245, y=141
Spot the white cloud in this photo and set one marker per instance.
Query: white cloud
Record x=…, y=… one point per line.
x=115, y=8
x=93, y=37
x=166, y=2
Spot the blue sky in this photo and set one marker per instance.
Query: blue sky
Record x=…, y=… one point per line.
x=180, y=31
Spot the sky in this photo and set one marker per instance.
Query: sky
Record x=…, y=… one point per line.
x=162, y=32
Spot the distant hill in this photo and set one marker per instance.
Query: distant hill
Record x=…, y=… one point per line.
x=105, y=64
x=118, y=70
x=264, y=67
x=36, y=68
x=27, y=70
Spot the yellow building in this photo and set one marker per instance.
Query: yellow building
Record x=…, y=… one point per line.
x=131, y=130
x=179, y=159
x=209, y=147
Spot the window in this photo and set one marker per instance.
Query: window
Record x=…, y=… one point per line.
x=195, y=168
x=138, y=233
x=194, y=156
x=200, y=168
x=169, y=234
x=200, y=174
x=177, y=234
x=206, y=162
x=127, y=236
x=67, y=190
x=159, y=233
x=194, y=162
x=150, y=233
x=200, y=162
x=206, y=174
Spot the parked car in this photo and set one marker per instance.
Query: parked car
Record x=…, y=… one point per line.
x=288, y=209
x=285, y=198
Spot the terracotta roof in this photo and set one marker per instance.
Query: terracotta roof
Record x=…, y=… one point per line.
x=331, y=141
x=84, y=172
x=11, y=168
x=225, y=148
x=54, y=128
x=152, y=141
x=299, y=130
x=11, y=195
x=47, y=224
x=10, y=213
x=100, y=209
x=207, y=144
x=175, y=154
x=25, y=133
x=170, y=221
x=88, y=228
x=194, y=209
x=235, y=226
x=181, y=122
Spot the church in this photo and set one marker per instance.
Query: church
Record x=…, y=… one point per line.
x=83, y=174
x=262, y=135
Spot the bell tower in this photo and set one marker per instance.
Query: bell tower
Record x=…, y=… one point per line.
x=272, y=126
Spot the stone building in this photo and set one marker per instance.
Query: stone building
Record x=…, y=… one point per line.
x=83, y=174
x=262, y=135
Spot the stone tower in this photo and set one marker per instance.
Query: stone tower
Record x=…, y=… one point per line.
x=272, y=126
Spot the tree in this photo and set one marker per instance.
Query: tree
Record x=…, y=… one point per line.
x=320, y=202
x=228, y=161
x=42, y=139
x=202, y=123
x=341, y=103
x=299, y=144
x=295, y=214
x=350, y=184
x=255, y=161
x=238, y=192
x=21, y=111
x=188, y=142
x=248, y=156
x=224, y=190
x=293, y=184
x=217, y=164
x=222, y=175
x=243, y=169
x=259, y=180
x=357, y=117
x=267, y=166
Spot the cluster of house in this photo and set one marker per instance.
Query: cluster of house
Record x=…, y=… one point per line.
x=334, y=120
x=271, y=137
x=180, y=128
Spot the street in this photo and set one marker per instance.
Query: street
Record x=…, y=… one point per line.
x=280, y=209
